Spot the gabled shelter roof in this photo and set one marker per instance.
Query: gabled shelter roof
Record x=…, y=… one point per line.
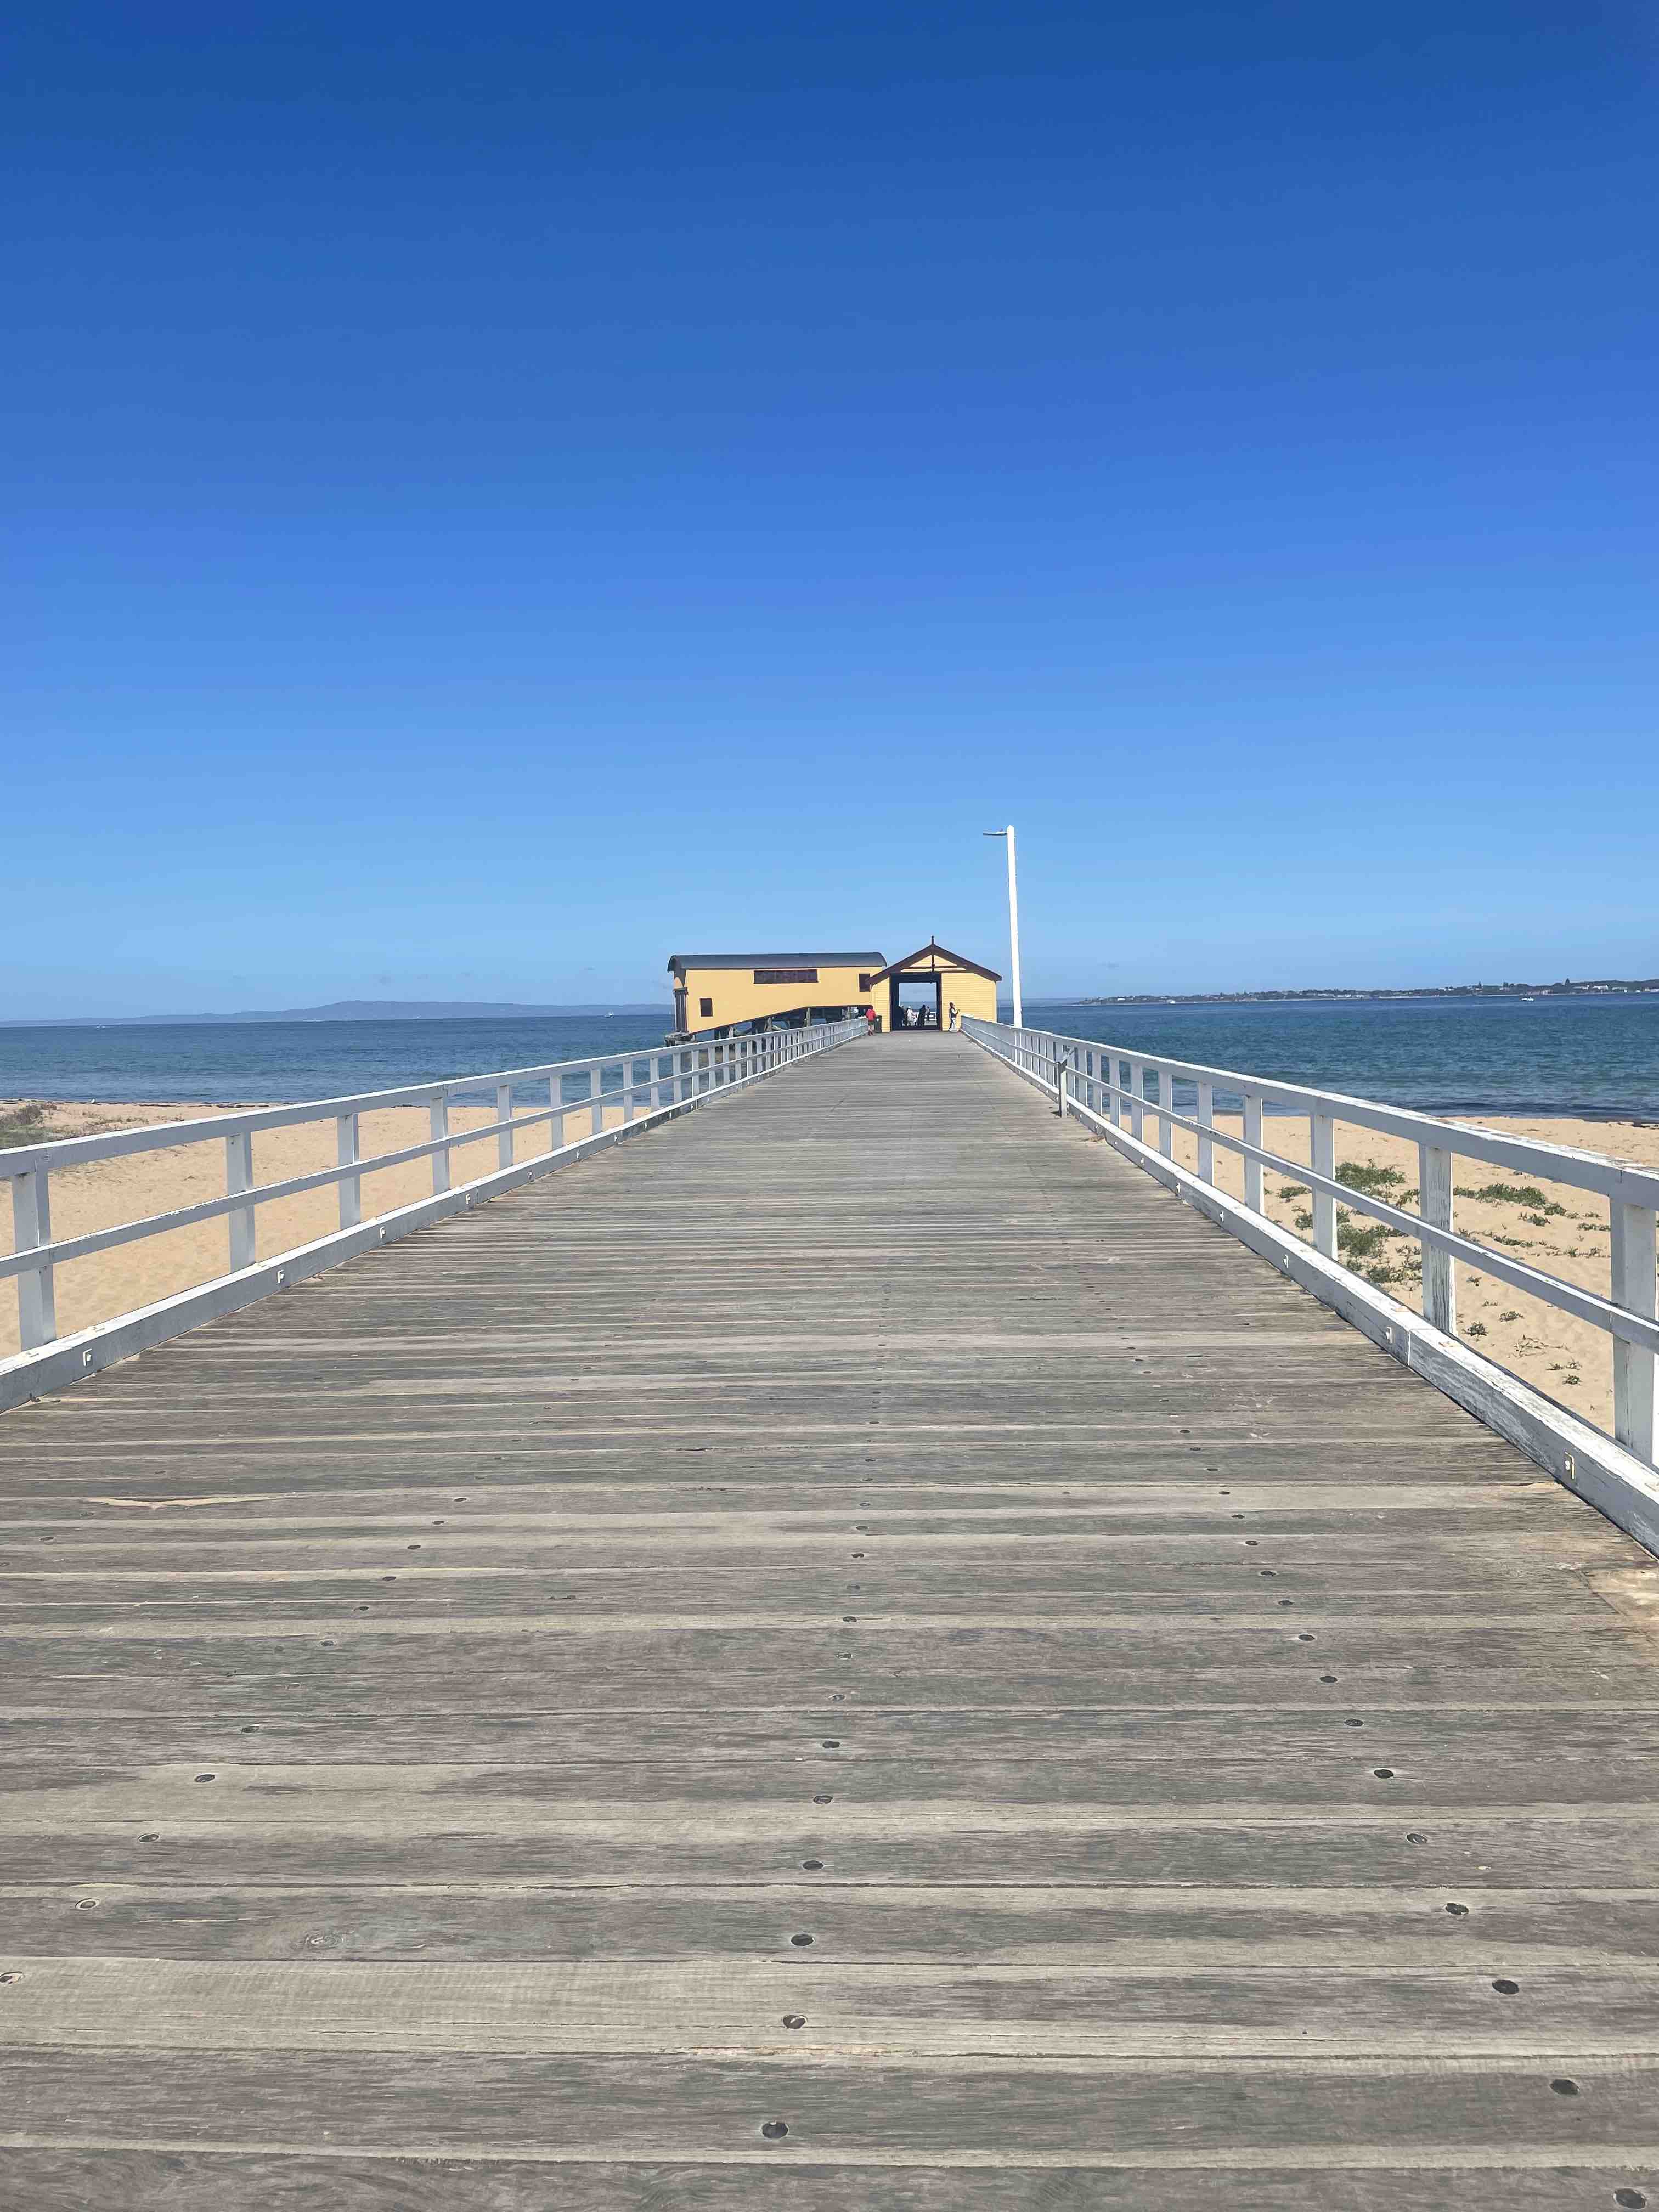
x=944, y=952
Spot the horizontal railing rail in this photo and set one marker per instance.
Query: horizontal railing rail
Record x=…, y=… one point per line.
x=618, y=1092
x=1086, y=1077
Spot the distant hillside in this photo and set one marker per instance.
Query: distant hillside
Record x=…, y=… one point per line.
x=363, y=1009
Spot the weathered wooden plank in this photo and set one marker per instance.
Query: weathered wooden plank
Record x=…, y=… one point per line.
x=508, y=1464
x=910, y=1843
x=1304, y=2114
x=743, y=1520
x=1282, y=1928
x=845, y=2008
x=1556, y=1740
x=1235, y=1590
x=419, y=1599
x=381, y=1677
x=1363, y=1769
x=557, y=1633
x=72, y=2180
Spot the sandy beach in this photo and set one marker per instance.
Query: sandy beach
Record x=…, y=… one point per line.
x=1563, y=1231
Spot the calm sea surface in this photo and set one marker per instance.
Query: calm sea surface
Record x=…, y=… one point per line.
x=1592, y=1056
x=259, y=1063
x=1597, y=1057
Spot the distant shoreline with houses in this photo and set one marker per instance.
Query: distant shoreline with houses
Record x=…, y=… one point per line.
x=1600, y=987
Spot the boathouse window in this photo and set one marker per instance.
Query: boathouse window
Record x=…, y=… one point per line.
x=706, y=1005
x=866, y=983
x=786, y=975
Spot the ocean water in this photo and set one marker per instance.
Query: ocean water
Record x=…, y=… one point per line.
x=1594, y=1057
x=270, y=1063
x=1597, y=1057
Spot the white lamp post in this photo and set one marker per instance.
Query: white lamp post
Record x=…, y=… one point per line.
x=1013, y=922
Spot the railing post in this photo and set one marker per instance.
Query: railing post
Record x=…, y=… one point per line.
x=504, y=1112
x=1321, y=1157
x=345, y=1154
x=1137, y=1100
x=239, y=1176
x=440, y=1125
x=1253, y=1136
x=31, y=1227
x=1205, y=1119
x=1634, y=1287
x=1166, y=1100
x=1434, y=1203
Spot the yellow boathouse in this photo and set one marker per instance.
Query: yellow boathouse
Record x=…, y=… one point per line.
x=717, y=992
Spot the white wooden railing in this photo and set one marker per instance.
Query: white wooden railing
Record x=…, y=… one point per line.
x=1106, y=1084
x=616, y=1094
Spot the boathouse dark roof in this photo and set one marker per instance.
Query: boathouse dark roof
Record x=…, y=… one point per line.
x=679, y=961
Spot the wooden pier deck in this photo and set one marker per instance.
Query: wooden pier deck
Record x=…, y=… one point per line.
x=850, y=1637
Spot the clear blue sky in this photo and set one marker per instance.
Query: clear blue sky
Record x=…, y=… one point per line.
x=495, y=495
